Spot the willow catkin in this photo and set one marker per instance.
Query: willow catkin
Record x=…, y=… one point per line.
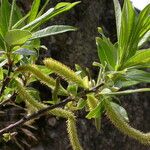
x=124, y=126
x=65, y=72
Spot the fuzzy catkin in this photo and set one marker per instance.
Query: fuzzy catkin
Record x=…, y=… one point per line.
x=71, y=121
x=124, y=126
x=72, y=131
x=91, y=102
x=64, y=71
x=49, y=81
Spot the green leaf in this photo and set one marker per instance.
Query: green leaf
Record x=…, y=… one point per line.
x=44, y=69
x=7, y=137
x=125, y=83
x=17, y=37
x=34, y=10
x=141, y=57
x=126, y=30
x=138, y=75
x=118, y=16
x=52, y=30
x=21, y=21
x=43, y=8
x=81, y=104
x=25, y=52
x=3, y=62
x=72, y=88
x=52, y=12
x=61, y=4
x=120, y=111
x=40, y=20
x=144, y=39
x=4, y=16
x=106, y=52
x=95, y=113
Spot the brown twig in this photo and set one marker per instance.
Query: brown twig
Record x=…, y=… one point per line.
x=44, y=110
x=34, y=115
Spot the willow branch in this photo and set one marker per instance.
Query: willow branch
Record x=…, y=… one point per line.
x=44, y=110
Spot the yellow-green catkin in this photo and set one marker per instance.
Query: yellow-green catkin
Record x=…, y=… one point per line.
x=27, y=97
x=49, y=81
x=91, y=101
x=71, y=126
x=124, y=126
x=64, y=71
x=71, y=121
x=72, y=131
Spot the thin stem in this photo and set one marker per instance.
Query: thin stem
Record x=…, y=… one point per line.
x=34, y=115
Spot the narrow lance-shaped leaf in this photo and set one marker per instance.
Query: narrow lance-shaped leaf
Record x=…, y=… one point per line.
x=118, y=16
x=106, y=52
x=4, y=16
x=126, y=30
x=21, y=21
x=52, y=30
x=138, y=75
x=144, y=39
x=34, y=10
x=39, y=19
x=52, y=12
x=140, y=30
x=141, y=57
x=11, y=14
x=43, y=8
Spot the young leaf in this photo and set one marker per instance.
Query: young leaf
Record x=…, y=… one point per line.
x=40, y=19
x=17, y=37
x=118, y=16
x=11, y=14
x=95, y=113
x=125, y=83
x=141, y=57
x=138, y=75
x=106, y=52
x=126, y=30
x=52, y=30
x=120, y=111
x=52, y=12
x=25, y=52
x=4, y=16
x=21, y=21
x=43, y=8
x=34, y=10
x=3, y=62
